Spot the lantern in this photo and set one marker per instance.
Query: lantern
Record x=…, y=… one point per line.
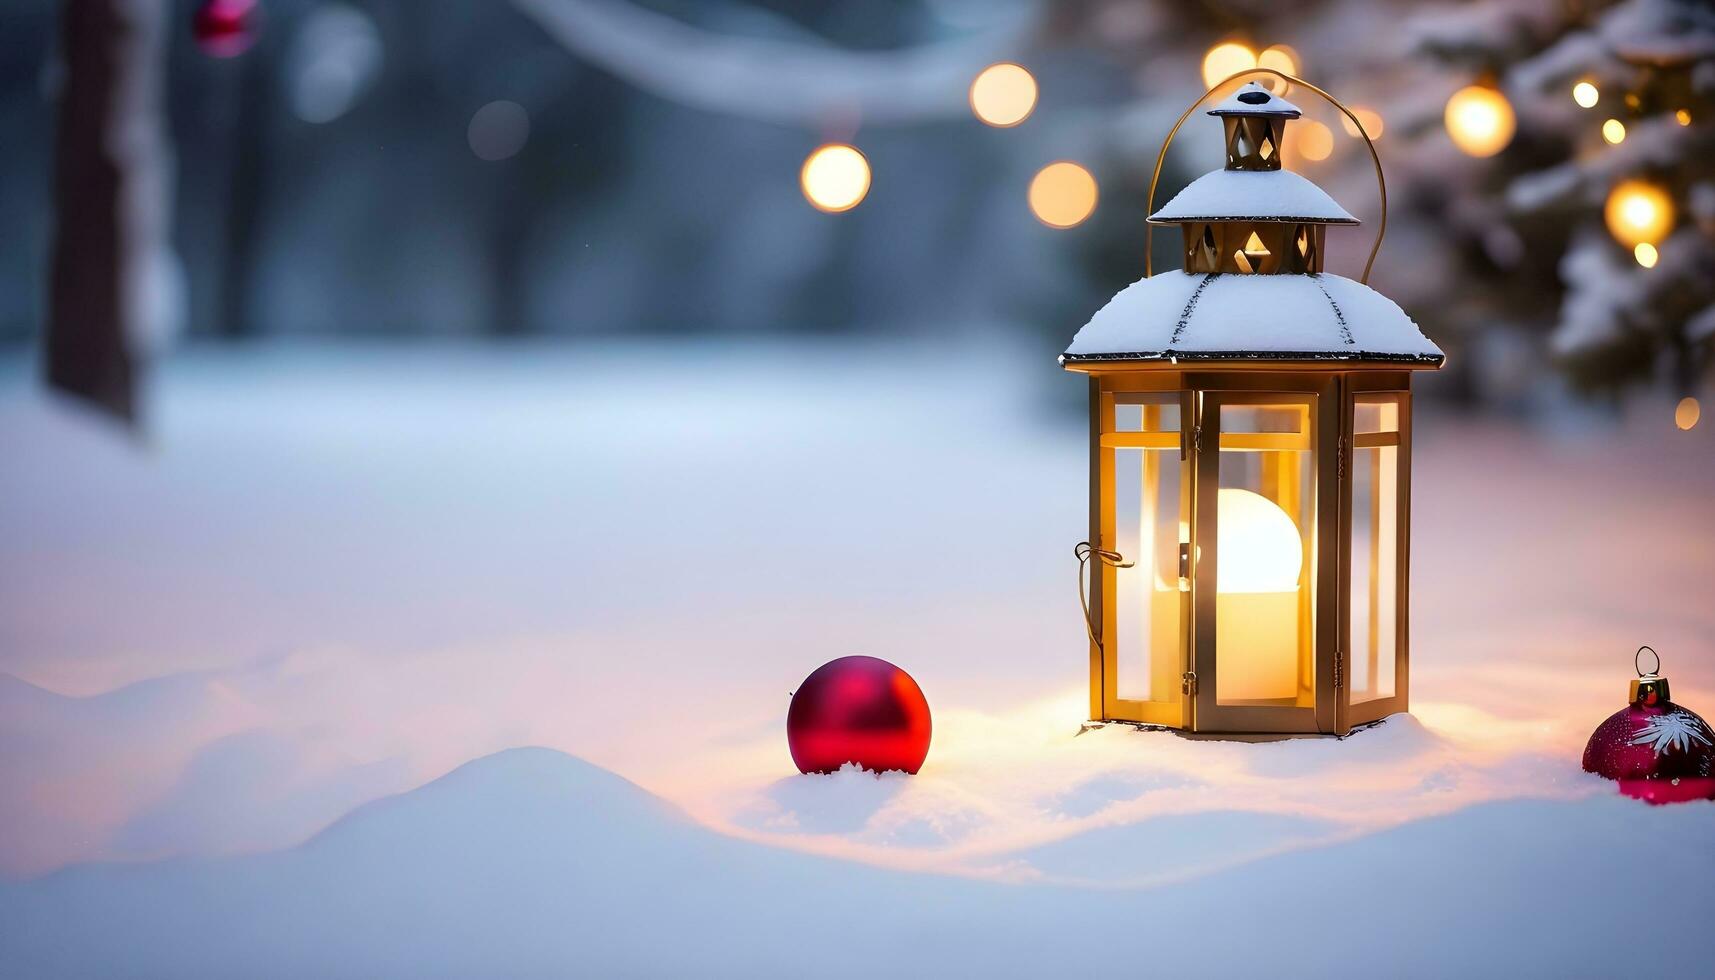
x=1250, y=444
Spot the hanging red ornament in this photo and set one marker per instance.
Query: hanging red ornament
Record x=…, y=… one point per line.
x=1657, y=750
x=226, y=28
x=858, y=709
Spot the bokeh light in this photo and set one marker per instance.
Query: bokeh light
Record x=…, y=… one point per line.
x=1062, y=194
x=1003, y=94
x=1586, y=94
x=1371, y=120
x=1311, y=139
x=1614, y=131
x=1687, y=412
x=334, y=56
x=1282, y=59
x=1225, y=60
x=498, y=130
x=1646, y=254
x=1480, y=120
x=1682, y=116
x=1638, y=212
x=835, y=177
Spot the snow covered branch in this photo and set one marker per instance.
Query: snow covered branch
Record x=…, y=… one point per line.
x=793, y=78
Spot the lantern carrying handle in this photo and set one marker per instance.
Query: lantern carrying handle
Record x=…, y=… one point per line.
x=1084, y=551
x=1640, y=655
x=1161, y=158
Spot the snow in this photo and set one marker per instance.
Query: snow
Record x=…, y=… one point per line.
x=1659, y=32
x=1253, y=99
x=533, y=863
x=1267, y=195
x=272, y=672
x=1184, y=314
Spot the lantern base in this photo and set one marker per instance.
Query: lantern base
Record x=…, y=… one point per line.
x=1094, y=724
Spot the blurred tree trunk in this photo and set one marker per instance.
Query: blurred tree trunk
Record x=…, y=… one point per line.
x=110, y=201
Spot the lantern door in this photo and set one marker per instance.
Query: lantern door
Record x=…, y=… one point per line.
x=1145, y=513
x=1375, y=538
x=1262, y=504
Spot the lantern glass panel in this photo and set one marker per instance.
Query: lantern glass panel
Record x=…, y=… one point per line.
x=1265, y=524
x=1374, y=556
x=1375, y=414
x=1150, y=523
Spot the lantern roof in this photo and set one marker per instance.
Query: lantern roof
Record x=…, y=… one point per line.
x=1253, y=99
x=1225, y=317
x=1253, y=195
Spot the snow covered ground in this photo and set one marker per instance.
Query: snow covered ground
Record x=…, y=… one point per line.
x=333, y=576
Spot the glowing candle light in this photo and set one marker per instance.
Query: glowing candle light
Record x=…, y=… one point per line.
x=1256, y=595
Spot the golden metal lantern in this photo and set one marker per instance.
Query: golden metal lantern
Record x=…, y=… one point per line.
x=1250, y=460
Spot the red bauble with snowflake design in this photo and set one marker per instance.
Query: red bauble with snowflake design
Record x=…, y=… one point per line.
x=226, y=28
x=1656, y=750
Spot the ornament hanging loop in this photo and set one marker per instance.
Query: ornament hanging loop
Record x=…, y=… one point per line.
x=1084, y=551
x=1161, y=158
x=1638, y=657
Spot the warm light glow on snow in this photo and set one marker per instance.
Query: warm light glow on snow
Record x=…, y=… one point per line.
x=1311, y=139
x=1369, y=118
x=1062, y=194
x=1585, y=94
x=1003, y=94
x=1480, y=120
x=1225, y=60
x=1614, y=131
x=835, y=177
x=1646, y=254
x=1687, y=412
x=1638, y=211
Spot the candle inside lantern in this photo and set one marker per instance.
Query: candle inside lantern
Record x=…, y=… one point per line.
x=1256, y=598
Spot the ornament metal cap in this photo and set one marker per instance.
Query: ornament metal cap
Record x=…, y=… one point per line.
x=1649, y=688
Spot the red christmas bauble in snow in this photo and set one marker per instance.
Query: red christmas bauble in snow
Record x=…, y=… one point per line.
x=1656, y=750
x=862, y=710
x=226, y=28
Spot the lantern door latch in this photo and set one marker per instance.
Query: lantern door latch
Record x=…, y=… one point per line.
x=1188, y=683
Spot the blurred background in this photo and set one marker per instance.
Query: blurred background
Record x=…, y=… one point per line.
x=416, y=170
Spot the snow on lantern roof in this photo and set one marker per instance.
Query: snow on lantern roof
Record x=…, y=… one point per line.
x=1253, y=99
x=1232, y=316
x=1257, y=195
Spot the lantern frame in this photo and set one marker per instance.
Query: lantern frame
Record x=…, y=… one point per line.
x=1336, y=394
